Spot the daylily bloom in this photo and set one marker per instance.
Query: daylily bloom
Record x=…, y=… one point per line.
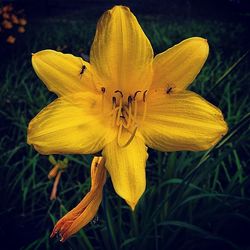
x=124, y=101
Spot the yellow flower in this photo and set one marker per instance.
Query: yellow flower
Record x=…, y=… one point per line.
x=124, y=100
x=7, y=25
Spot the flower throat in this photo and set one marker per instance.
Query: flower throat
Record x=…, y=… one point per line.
x=125, y=113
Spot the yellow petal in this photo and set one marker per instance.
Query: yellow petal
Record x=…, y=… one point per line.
x=126, y=167
x=85, y=211
x=179, y=65
x=182, y=121
x=121, y=54
x=61, y=72
x=71, y=125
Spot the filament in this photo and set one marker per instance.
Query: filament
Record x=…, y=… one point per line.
x=129, y=114
x=136, y=94
x=135, y=112
x=119, y=112
x=144, y=111
x=144, y=95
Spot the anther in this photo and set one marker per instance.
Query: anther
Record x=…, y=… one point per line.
x=136, y=94
x=144, y=95
x=130, y=100
x=114, y=101
x=118, y=91
x=103, y=90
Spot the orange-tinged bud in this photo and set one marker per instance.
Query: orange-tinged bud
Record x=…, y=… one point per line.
x=6, y=15
x=86, y=210
x=7, y=25
x=11, y=39
x=7, y=8
x=21, y=29
x=53, y=172
x=22, y=21
x=52, y=160
x=14, y=19
x=55, y=185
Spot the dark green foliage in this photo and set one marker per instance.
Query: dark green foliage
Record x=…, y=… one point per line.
x=193, y=200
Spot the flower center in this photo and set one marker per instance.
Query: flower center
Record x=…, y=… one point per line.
x=125, y=113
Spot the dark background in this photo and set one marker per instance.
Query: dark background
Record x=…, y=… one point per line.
x=220, y=9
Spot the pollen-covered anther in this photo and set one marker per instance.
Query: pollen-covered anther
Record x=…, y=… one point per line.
x=118, y=91
x=137, y=92
x=144, y=95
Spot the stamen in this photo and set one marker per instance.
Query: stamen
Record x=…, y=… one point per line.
x=129, y=140
x=119, y=112
x=130, y=100
x=136, y=94
x=145, y=105
x=135, y=112
x=144, y=95
x=103, y=90
x=113, y=114
x=144, y=111
x=113, y=109
x=113, y=101
x=129, y=111
x=126, y=115
x=118, y=91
